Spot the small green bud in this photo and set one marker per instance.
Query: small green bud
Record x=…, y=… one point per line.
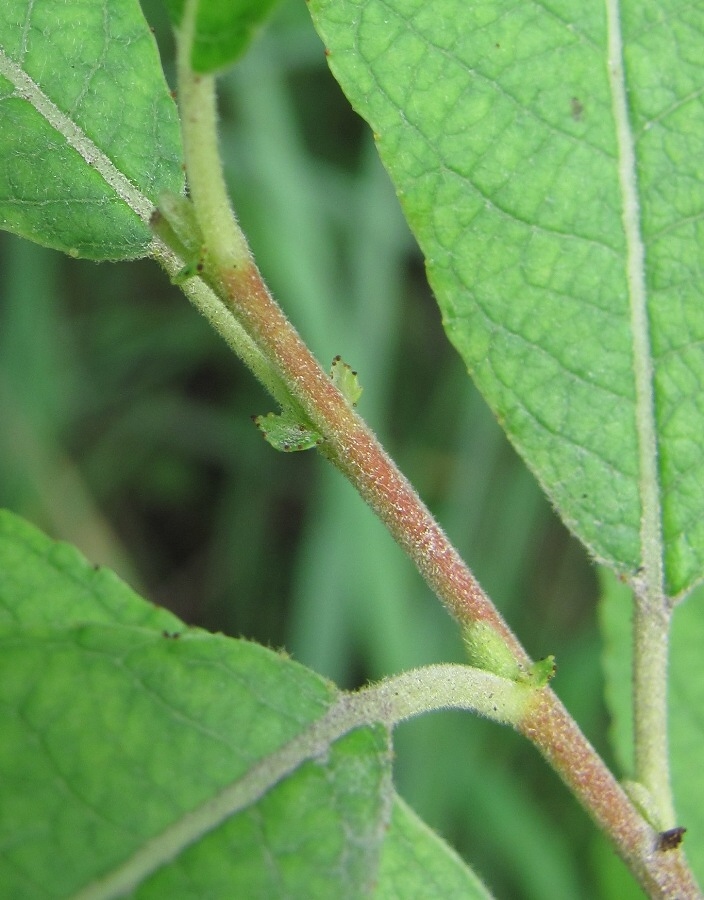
x=539, y=673
x=345, y=380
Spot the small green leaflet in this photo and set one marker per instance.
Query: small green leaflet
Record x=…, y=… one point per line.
x=345, y=380
x=540, y=673
x=81, y=168
x=288, y=431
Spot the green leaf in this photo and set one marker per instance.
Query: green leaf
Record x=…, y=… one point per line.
x=224, y=29
x=286, y=432
x=44, y=583
x=89, y=135
x=160, y=761
x=416, y=863
x=144, y=760
x=686, y=700
x=346, y=380
x=562, y=266
x=116, y=736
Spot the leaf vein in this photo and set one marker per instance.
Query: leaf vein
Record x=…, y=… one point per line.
x=28, y=90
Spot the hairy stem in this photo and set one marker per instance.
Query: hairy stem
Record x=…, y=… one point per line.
x=224, y=322
x=661, y=873
x=349, y=444
x=353, y=448
x=197, y=104
x=651, y=618
x=651, y=630
x=228, y=267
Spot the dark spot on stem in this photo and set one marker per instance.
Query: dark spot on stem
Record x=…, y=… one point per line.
x=670, y=839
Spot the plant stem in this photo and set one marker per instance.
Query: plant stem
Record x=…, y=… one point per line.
x=651, y=614
x=197, y=104
x=350, y=445
x=662, y=874
x=224, y=322
x=356, y=452
x=651, y=629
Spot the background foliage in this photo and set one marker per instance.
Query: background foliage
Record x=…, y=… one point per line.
x=127, y=431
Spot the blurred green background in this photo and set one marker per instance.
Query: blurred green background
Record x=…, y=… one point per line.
x=126, y=429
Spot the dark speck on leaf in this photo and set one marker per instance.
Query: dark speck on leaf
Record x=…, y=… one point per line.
x=577, y=109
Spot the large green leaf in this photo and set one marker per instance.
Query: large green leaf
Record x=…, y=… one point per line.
x=562, y=265
x=223, y=29
x=416, y=863
x=89, y=134
x=686, y=702
x=140, y=756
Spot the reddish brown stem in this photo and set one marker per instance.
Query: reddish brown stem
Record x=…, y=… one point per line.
x=663, y=873
x=353, y=448
x=350, y=444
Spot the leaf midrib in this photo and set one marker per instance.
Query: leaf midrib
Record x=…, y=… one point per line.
x=27, y=89
x=649, y=489
x=435, y=687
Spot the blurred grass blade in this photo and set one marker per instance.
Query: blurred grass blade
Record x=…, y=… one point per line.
x=89, y=134
x=500, y=127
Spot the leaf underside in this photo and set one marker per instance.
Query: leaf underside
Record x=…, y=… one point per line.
x=496, y=123
x=145, y=756
x=89, y=135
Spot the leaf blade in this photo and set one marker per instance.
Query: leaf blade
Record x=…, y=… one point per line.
x=161, y=760
x=416, y=862
x=89, y=133
x=497, y=127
